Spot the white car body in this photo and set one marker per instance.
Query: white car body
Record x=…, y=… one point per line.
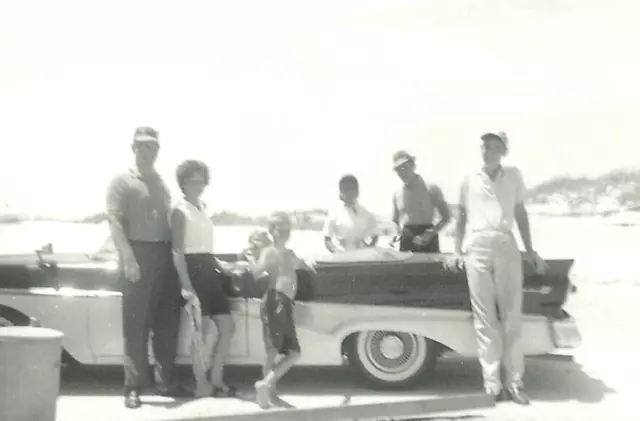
x=91, y=321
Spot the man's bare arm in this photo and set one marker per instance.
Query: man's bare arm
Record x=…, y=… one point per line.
x=116, y=199
x=443, y=209
x=329, y=232
x=522, y=219
x=461, y=222
x=329, y=245
x=116, y=196
x=395, y=213
x=119, y=237
x=461, y=226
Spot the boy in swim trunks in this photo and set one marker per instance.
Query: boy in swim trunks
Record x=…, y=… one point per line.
x=279, y=332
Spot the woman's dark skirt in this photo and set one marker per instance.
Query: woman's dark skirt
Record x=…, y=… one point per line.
x=208, y=282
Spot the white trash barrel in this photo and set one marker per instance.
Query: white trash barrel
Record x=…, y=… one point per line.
x=29, y=373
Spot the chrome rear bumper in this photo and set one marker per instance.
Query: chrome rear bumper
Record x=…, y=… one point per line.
x=564, y=332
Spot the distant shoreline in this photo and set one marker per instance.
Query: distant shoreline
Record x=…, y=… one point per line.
x=614, y=193
x=301, y=220
x=307, y=220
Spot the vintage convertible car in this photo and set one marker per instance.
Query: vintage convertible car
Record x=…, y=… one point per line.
x=388, y=314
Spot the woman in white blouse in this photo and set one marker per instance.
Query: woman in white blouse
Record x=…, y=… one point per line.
x=201, y=274
x=350, y=225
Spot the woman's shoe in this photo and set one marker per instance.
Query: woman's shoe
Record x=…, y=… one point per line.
x=224, y=392
x=203, y=393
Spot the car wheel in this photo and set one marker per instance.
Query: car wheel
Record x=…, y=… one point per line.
x=393, y=359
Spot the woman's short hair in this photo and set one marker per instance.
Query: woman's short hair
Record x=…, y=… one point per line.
x=190, y=167
x=346, y=180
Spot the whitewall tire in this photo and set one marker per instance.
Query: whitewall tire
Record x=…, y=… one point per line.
x=392, y=359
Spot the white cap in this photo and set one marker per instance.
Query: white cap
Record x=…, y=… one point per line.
x=145, y=134
x=497, y=134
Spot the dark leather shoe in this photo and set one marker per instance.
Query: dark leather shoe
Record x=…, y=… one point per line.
x=132, y=399
x=224, y=392
x=500, y=396
x=519, y=396
x=175, y=391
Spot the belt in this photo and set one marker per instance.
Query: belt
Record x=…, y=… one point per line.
x=491, y=231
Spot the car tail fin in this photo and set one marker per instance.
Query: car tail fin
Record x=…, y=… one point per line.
x=547, y=293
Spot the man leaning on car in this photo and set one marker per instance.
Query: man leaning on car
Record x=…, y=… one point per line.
x=491, y=200
x=138, y=205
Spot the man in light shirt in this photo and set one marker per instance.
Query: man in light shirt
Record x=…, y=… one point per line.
x=350, y=226
x=491, y=198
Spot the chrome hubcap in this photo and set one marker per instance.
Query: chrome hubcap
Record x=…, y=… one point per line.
x=391, y=347
x=392, y=356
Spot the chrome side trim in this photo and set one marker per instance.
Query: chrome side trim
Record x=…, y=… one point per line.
x=60, y=292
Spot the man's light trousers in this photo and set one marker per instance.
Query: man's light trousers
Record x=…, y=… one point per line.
x=494, y=273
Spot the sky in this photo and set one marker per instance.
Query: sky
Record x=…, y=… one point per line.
x=281, y=98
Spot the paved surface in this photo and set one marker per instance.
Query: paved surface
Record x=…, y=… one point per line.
x=597, y=385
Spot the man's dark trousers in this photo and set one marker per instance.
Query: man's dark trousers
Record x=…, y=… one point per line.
x=152, y=304
x=409, y=232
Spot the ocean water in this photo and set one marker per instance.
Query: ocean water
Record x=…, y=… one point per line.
x=603, y=253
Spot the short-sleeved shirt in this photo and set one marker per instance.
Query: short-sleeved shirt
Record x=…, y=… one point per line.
x=350, y=225
x=142, y=204
x=198, y=228
x=415, y=202
x=490, y=204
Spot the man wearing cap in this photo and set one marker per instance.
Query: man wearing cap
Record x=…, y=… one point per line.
x=491, y=198
x=414, y=206
x=138, y=204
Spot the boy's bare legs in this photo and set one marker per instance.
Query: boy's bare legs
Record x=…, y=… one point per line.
x=262, y=393
x=281, y=368
x=269, y=382
x=270, y=362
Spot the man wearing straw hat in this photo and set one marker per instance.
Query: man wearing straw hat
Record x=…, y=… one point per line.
x=414, y=206
x=138, y=204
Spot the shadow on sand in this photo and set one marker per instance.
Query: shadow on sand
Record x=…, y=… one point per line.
x=558, y=381
x=546, y=380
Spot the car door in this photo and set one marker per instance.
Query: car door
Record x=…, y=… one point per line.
x=413, y=284
x=105, y=315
